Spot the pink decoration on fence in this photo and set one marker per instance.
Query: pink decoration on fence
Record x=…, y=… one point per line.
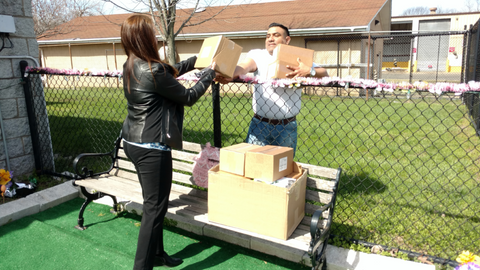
x=204, y=161
x=436, y=88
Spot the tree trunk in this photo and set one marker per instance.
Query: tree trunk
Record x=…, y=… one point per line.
x=171, y=51
x=170, y=36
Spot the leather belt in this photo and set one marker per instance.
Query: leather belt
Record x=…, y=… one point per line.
x=275, y=121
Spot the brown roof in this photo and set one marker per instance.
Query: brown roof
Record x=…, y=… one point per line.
x=295, y=14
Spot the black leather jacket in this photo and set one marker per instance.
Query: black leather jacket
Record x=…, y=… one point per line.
x=156, y=104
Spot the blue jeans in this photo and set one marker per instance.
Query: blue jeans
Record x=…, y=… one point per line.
x=263, y=133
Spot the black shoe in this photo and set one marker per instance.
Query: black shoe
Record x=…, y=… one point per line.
x=167, y=261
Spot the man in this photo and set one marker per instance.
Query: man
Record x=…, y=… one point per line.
x=275, y=108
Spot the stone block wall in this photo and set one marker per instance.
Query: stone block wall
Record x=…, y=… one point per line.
x=15, y=138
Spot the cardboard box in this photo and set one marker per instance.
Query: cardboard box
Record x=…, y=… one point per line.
x=232, y=158
x=287, y=55
x=269, y=163
x=224, y=52
x=255, y=206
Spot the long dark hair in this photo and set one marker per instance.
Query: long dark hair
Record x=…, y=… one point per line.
x=138, y=40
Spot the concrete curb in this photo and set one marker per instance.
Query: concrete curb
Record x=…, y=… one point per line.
x=37, y=202
x=337, y=258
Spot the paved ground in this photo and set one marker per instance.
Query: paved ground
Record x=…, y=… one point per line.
x=428, y=76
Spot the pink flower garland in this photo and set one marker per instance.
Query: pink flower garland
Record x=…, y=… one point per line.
x=436, y=88
x=85, y=72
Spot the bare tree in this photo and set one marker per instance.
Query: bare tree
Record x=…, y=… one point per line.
x=416, y=11
x=472, y=5
x=166, y=13
x=426, y=10
x=50, y=16
x=442, y=10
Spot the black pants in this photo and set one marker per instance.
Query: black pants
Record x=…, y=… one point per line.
x=154, y=169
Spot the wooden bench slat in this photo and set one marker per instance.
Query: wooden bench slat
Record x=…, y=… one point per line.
x=191, y=192
x=179, y=177
x=321, y=172
x=121, y=154
x=109, y=185
x=182, y=166
x=193, y=147
x=318, y=196
x=311, y=208
x=183, y=178
x=175, y=154
x=124, y=174
x=183, y=155
x=195, y=208
x=126, y=165
x=177, y=165
x=293, y=243
x=320, y=184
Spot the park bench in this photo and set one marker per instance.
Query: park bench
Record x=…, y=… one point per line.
x=188, y=205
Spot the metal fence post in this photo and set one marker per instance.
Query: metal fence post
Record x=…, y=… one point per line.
x=217, y=121
x=31, y=117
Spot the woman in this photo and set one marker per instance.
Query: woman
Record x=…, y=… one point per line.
x=152, y=128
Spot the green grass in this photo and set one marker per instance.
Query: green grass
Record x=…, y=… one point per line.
x=411, y=167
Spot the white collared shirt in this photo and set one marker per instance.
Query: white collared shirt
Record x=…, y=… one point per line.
x=270, y=101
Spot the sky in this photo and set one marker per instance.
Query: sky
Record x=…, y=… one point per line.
x=398, y=6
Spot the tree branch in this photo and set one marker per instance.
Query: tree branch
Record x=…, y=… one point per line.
x=184, y=24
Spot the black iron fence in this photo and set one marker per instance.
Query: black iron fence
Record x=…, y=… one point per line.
x=411, y=159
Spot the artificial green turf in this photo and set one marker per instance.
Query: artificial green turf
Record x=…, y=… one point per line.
x=48, y=240
x=411, y=166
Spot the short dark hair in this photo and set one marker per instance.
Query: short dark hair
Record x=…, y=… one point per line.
x=281, y=26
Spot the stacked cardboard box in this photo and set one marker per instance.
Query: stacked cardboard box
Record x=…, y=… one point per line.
x=232, y=158
x=269, y=163
x=235, y=199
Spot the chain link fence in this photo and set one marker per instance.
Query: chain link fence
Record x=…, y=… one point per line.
x=411, y=159
x=396, y=57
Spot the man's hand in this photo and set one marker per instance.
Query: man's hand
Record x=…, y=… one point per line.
x=301, y=70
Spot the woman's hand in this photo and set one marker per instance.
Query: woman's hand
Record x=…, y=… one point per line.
x=212, y=66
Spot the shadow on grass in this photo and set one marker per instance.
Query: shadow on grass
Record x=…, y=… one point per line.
x=359, y=183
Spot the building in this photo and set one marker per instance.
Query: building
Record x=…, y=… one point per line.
x=425, y=52
x=94, y=42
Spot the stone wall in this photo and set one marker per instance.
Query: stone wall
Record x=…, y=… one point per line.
x=15, y=131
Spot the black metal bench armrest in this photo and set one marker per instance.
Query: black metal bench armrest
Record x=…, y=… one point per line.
x=319, y=235
x=84, y=172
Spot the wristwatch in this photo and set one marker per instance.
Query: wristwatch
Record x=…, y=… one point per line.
x=312, y=72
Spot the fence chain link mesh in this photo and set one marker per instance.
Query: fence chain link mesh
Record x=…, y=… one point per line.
x=411, y=159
